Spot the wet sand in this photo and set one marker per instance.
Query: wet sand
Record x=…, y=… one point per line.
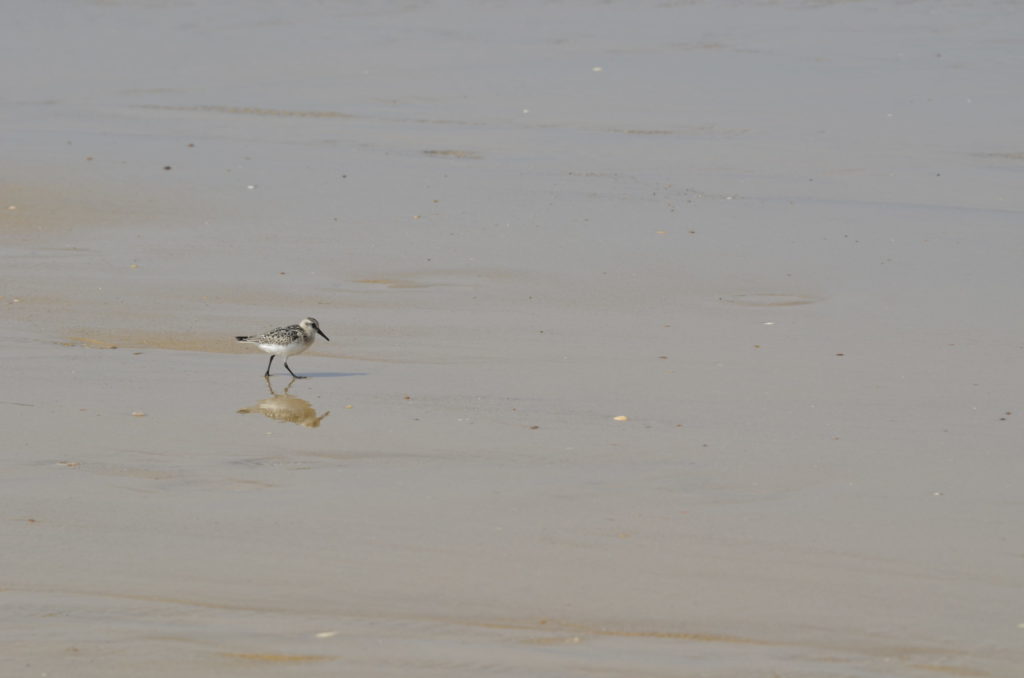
x=667, y=339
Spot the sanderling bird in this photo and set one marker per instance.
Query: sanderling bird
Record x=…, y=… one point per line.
x=286, y=341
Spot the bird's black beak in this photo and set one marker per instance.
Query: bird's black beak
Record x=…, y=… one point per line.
x=321, y=334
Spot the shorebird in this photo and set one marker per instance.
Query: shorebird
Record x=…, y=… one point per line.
x=286, y=341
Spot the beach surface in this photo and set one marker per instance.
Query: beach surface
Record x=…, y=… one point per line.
x=668, y=339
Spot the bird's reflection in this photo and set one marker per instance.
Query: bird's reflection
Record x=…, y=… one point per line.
x=284, y=407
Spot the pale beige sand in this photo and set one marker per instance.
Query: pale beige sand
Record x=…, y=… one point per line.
x=668, y=339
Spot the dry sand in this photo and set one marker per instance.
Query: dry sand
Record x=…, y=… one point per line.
x=668, y=339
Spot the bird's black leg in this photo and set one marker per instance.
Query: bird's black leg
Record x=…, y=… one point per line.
x=268, y=366
x=290, y=370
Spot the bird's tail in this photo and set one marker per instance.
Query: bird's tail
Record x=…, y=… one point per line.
x=242, y=338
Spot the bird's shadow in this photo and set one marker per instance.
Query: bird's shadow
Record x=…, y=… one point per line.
x=325, y=374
